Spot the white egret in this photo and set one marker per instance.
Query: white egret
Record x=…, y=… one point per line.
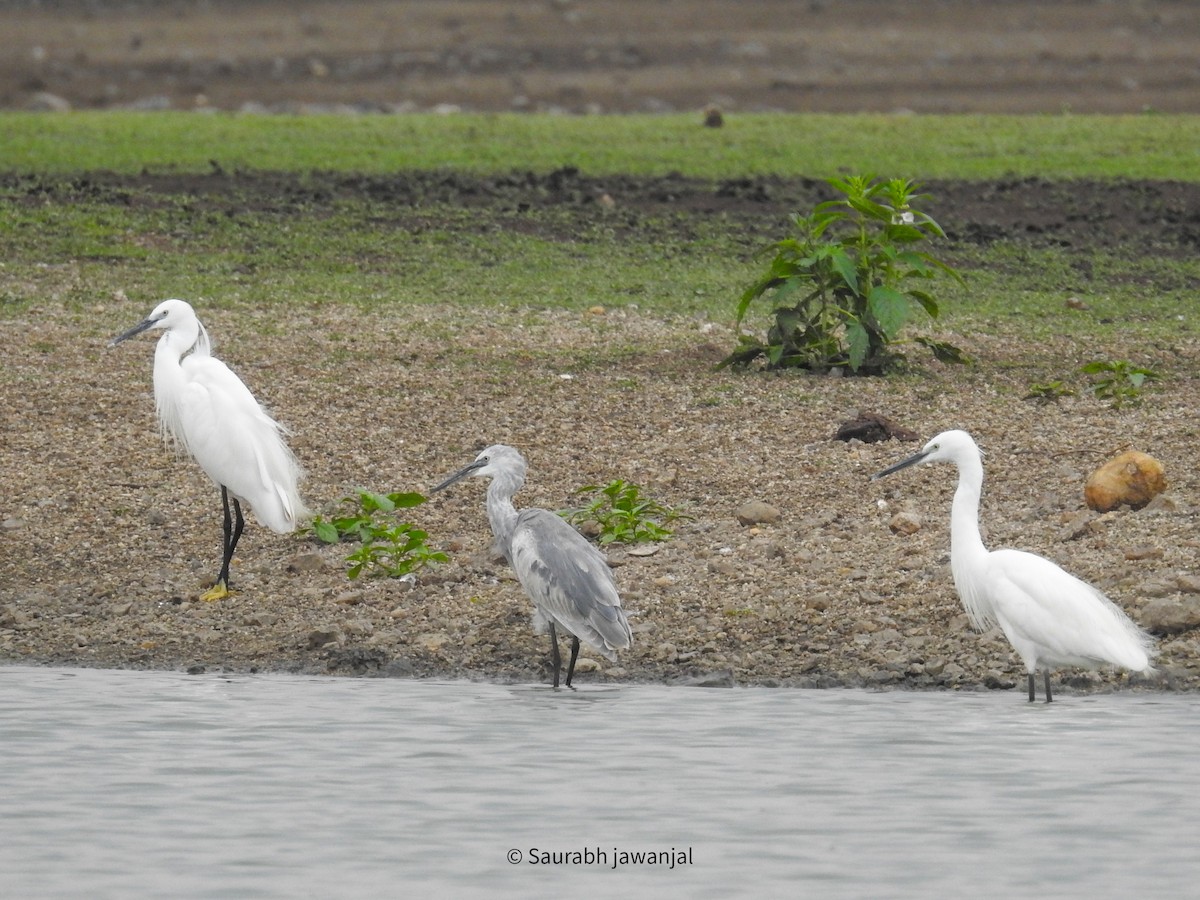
x=212, y=415
x=567, y=578
x=1050, y=617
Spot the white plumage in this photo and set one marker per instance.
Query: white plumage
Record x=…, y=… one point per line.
x=212, y=416
x=567, y=578
x=1050, y=617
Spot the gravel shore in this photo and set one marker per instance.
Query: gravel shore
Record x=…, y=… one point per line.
x=108, y=539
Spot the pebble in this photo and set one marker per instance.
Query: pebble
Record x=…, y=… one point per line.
x=905, y=523
x=432, y=641
x=757, y=512
x=322, y=638
x=306, y=562
x=1170, y=616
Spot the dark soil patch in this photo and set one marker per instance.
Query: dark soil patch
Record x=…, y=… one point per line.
x=1159, y=217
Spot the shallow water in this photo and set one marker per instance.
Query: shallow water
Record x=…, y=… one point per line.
x=124, y=784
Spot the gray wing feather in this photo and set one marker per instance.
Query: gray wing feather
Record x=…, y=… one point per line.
x=568, y=580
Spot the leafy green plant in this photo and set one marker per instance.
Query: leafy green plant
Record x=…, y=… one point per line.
x=1048, y=392
x=623, y=515
x=845, y=282
x=389, y=547
x=1118, y=381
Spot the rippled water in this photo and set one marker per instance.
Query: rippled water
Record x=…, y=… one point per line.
x=137, y=784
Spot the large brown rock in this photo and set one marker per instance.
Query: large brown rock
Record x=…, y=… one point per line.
x=1131, y=479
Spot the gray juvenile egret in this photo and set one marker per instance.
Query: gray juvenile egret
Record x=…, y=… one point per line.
x=1050, y=617
x=212, y=415
x=567, y=578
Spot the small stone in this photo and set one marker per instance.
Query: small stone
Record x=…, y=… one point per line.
x=995, y=680
x=1188, y=584
x=952, y=672
x=1163, y=503
x=433, y=641
x=1076, y=303
x=756, y=512
x=306, y=562
x=583, y=664
x=1131, y=479
x=1138, y=553
x=359, y=627
x=1158, y=587
x=13, y=524
x=322, y=638
x=1169, y=616
x=643, y=550
x=1077, y=525
x=905, y=523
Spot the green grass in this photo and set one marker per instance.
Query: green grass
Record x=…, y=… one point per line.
x=76, y=247
x=921, y=147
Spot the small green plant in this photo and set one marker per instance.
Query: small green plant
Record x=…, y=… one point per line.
x=389, y=547
x=1118, y=381
x=1048, y=392
x=623, y=515
x=844, y=283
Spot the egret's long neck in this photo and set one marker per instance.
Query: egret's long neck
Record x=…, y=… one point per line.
x=965, y=540
x=168, y=375
x=502, y=515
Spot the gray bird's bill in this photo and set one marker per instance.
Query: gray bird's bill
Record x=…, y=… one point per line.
x=135, y=330
x=459, y=475
x=903, y=464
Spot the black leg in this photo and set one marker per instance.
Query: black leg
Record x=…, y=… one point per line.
x=239, y=525
x=555, y=659
x=1048, y=697
x=226, y=534
x=1030, y=687
x=574, y=655
x=232, y=526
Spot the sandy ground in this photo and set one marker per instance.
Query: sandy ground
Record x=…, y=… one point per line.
x=606, y=55
x=108, y=539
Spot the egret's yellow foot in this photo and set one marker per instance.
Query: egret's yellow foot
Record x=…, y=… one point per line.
x=218, y=591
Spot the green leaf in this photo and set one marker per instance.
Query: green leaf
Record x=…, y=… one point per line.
x=889, y=308
x=326, y=531
x=406, y=500
x=845, y=268
x=859, y=343
x=372, y=501
x=928, y=303
x=944, y=351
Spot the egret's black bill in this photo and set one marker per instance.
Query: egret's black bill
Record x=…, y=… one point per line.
x=135, y=330
x=903, y=464
x=460, y=474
